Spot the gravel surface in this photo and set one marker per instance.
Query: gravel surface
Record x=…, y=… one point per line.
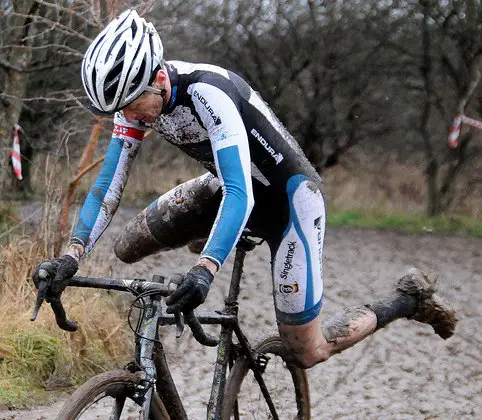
x=402, y=372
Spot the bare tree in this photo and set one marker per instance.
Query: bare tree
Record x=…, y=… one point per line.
x=452, y=54
x=41, y=46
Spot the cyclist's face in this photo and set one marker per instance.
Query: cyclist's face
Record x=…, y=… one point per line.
x=146, y=108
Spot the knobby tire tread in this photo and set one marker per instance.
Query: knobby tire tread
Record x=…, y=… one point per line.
x=86, y=394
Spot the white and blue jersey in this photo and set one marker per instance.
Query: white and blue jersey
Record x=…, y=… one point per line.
x=259, y=178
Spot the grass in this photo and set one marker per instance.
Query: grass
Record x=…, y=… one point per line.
x=29, y=359
x=38, y=356
x=8, y=217
x=405, y=222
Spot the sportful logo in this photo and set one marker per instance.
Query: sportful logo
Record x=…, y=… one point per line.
x=204, y=101
x=278, y=157
x=120, y=129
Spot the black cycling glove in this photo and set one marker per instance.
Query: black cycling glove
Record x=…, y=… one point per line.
x=58, y=269
x=193, y=289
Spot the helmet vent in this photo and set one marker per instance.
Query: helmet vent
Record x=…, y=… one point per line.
x=114, y=44
x=94, y=76
x=139, y=76
x=134, y=29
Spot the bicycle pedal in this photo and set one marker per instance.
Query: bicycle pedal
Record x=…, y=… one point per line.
x=262, y=362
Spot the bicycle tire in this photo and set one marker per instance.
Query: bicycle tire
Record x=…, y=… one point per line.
x=272, y=346
x=116, y=384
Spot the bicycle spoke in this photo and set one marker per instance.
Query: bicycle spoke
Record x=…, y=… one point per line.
x=280, y=386
x=117, y=408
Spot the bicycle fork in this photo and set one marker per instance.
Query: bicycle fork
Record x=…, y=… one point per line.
x=145, y=354
x=151, y=359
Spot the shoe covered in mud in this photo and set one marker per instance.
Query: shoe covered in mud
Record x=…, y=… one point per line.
x=432, y=308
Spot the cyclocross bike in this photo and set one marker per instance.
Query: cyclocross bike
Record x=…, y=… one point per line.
x=262, y=382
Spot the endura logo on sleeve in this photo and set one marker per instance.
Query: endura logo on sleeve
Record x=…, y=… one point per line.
x=206, y=105
x=278, y=157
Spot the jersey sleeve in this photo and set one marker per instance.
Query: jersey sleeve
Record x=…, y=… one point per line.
x=103, y=198
x=227, y=133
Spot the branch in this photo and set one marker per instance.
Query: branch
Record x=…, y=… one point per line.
x=452, y=70
x=43, y=98
x=474, y=81
x=52, y=66
x=55, y=25
x=28, y=20
x=68, y=10
x=68, y=50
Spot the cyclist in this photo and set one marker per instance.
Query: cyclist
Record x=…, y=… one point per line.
x=258, y=178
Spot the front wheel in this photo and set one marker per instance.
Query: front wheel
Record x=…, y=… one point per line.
x=110, y=395
x=287, y=385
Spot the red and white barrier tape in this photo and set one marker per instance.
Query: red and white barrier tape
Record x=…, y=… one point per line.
x=16, y=160
x=454, y=134
x=472, y=122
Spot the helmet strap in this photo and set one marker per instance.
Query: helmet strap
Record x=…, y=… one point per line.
x=156, y=91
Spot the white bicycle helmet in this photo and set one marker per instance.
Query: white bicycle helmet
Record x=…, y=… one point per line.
x=119, y=63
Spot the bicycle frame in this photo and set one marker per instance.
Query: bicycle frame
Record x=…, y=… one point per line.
x=228, y=320
x=149, y=356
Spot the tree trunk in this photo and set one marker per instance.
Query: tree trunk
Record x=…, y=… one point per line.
x=433, y=205
x=15, y=87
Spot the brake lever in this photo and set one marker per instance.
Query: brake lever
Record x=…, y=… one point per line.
x=179, y=324
x=55, y=303
x=178, y=315
x=42, y=290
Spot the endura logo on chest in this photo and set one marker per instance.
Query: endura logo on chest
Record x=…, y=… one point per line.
x=278, y=157
x=206, y=105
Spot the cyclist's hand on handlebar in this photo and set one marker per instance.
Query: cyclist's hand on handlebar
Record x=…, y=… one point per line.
x=192, y=291
x=55, y=272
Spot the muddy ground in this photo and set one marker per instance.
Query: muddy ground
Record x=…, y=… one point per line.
x=402, y=372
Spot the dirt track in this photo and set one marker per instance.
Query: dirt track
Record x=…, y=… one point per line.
x=404, y=371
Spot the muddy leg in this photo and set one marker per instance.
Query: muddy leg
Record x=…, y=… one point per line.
x=313, y=343
x=414, y=298
x=181, y=215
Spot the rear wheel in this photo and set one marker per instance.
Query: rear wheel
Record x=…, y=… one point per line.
x=287, y=385
x=110, y=396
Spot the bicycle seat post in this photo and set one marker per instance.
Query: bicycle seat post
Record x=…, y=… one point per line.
x=232, y=299
x=243, y=246
x=225, y=344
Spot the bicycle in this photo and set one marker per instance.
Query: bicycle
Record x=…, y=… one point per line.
x=146, y=382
